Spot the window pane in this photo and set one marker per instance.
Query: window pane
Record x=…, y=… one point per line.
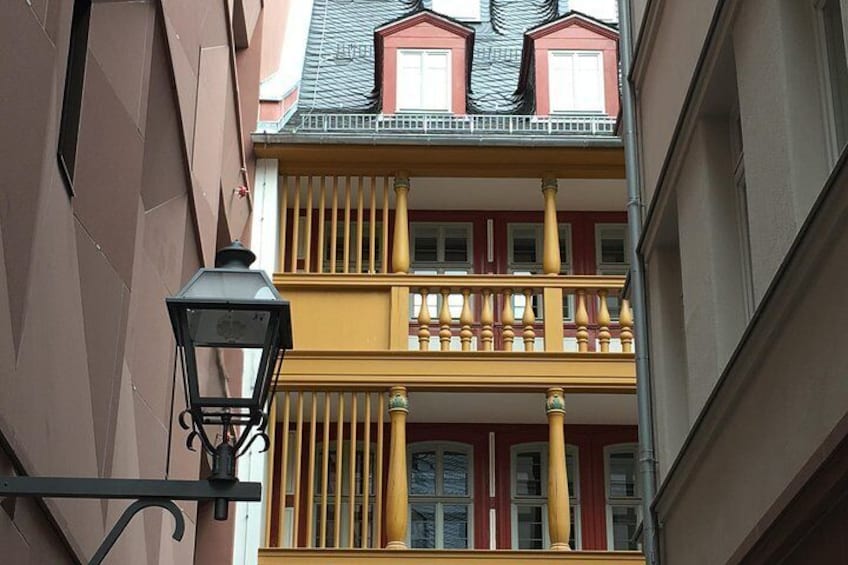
x=426, y=244
x=435, y=82
x=524, y=247
x=622, y=479
x=612, y=250
x=624, y=521
x=455, y=518
x=455, y=474
x=528, y=474
x=530, y=527
x=409, y=80
x=423, y=473
x=456, y=245
x=570, y=471
x=422, y=526
x=587, y=85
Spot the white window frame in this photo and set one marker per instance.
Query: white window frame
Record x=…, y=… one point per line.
x=469, y=13
x=448, y=81
x=440, y=500
x=632, y=502
x=516, y=501
x=514, y=267
x=825, y=78
x=552, y=84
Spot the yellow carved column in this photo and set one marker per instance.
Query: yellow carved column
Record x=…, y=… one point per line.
x=625, y=321
x=487, y=320
x=559, y=517
x=603, y=321
x=581, y=318
x=397, y=489
x=551, y=261
x=508, y=320
x=400, y=242
x=465, y=321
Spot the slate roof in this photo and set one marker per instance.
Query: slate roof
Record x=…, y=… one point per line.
x=338, y=73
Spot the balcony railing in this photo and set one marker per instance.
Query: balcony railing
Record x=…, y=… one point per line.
x=450, y=124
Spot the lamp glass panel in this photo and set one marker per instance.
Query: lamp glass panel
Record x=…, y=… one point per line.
x=211, y=327
x=226, y=284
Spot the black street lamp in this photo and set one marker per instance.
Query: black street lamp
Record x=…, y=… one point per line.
x=228, y=307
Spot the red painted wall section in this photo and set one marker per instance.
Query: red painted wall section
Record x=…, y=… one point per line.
x=425, y=32
x=576, y=34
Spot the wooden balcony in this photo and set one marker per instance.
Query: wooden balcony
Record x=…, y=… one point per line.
x=429, y=557
x=382, y=329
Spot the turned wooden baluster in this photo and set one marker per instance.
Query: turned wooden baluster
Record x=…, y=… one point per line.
x=603, y=321
x=465, y=321
x=424, y=323
x=445, y=321
x=487, y=320
x=529, y=319
x=397, y=489
x=625, y=320
x=581, y=318
x=508, y=320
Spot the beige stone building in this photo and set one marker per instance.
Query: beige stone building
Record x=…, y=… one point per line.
x=741, y=121
x=148, y=104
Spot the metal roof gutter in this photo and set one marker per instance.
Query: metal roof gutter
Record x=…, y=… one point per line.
x=644, y=386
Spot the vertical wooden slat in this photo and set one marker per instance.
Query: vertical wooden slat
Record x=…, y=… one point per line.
x=351, y=511
x=385, y=244
x=281, y=517
x=295, y=223
x=307, y=255
x=298, y=465
x=284, y=216
x=310, y=479
x=346, y=266
x=378, y=488
x=319, y=253
x=372, y=229
x=366, y=468
x=360, y=196
x=325, y=469
x=272, y=425
x=334, y=219
x=337, y=506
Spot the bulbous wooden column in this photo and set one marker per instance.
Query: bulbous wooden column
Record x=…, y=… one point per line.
x=400, y=239
x=551, y=260
x=397, y=489
x=559, y=516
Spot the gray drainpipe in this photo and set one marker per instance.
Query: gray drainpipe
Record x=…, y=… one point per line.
x=647, y=460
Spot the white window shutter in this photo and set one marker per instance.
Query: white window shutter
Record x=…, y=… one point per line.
x=435, y=93
x=576, y=81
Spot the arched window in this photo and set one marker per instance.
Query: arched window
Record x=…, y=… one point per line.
x=529, y=492
x=440, y=496
x=624, y=497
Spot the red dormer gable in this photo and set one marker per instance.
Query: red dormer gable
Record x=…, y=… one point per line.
x=574, y=32
x=423, y=30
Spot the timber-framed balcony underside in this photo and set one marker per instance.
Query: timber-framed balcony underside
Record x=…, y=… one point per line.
x=430, y=556
x=481, y=371
x=577, y=159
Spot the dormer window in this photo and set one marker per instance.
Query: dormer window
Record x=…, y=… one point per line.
x=423, y=80
x=465, y=10
x=576, y=81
